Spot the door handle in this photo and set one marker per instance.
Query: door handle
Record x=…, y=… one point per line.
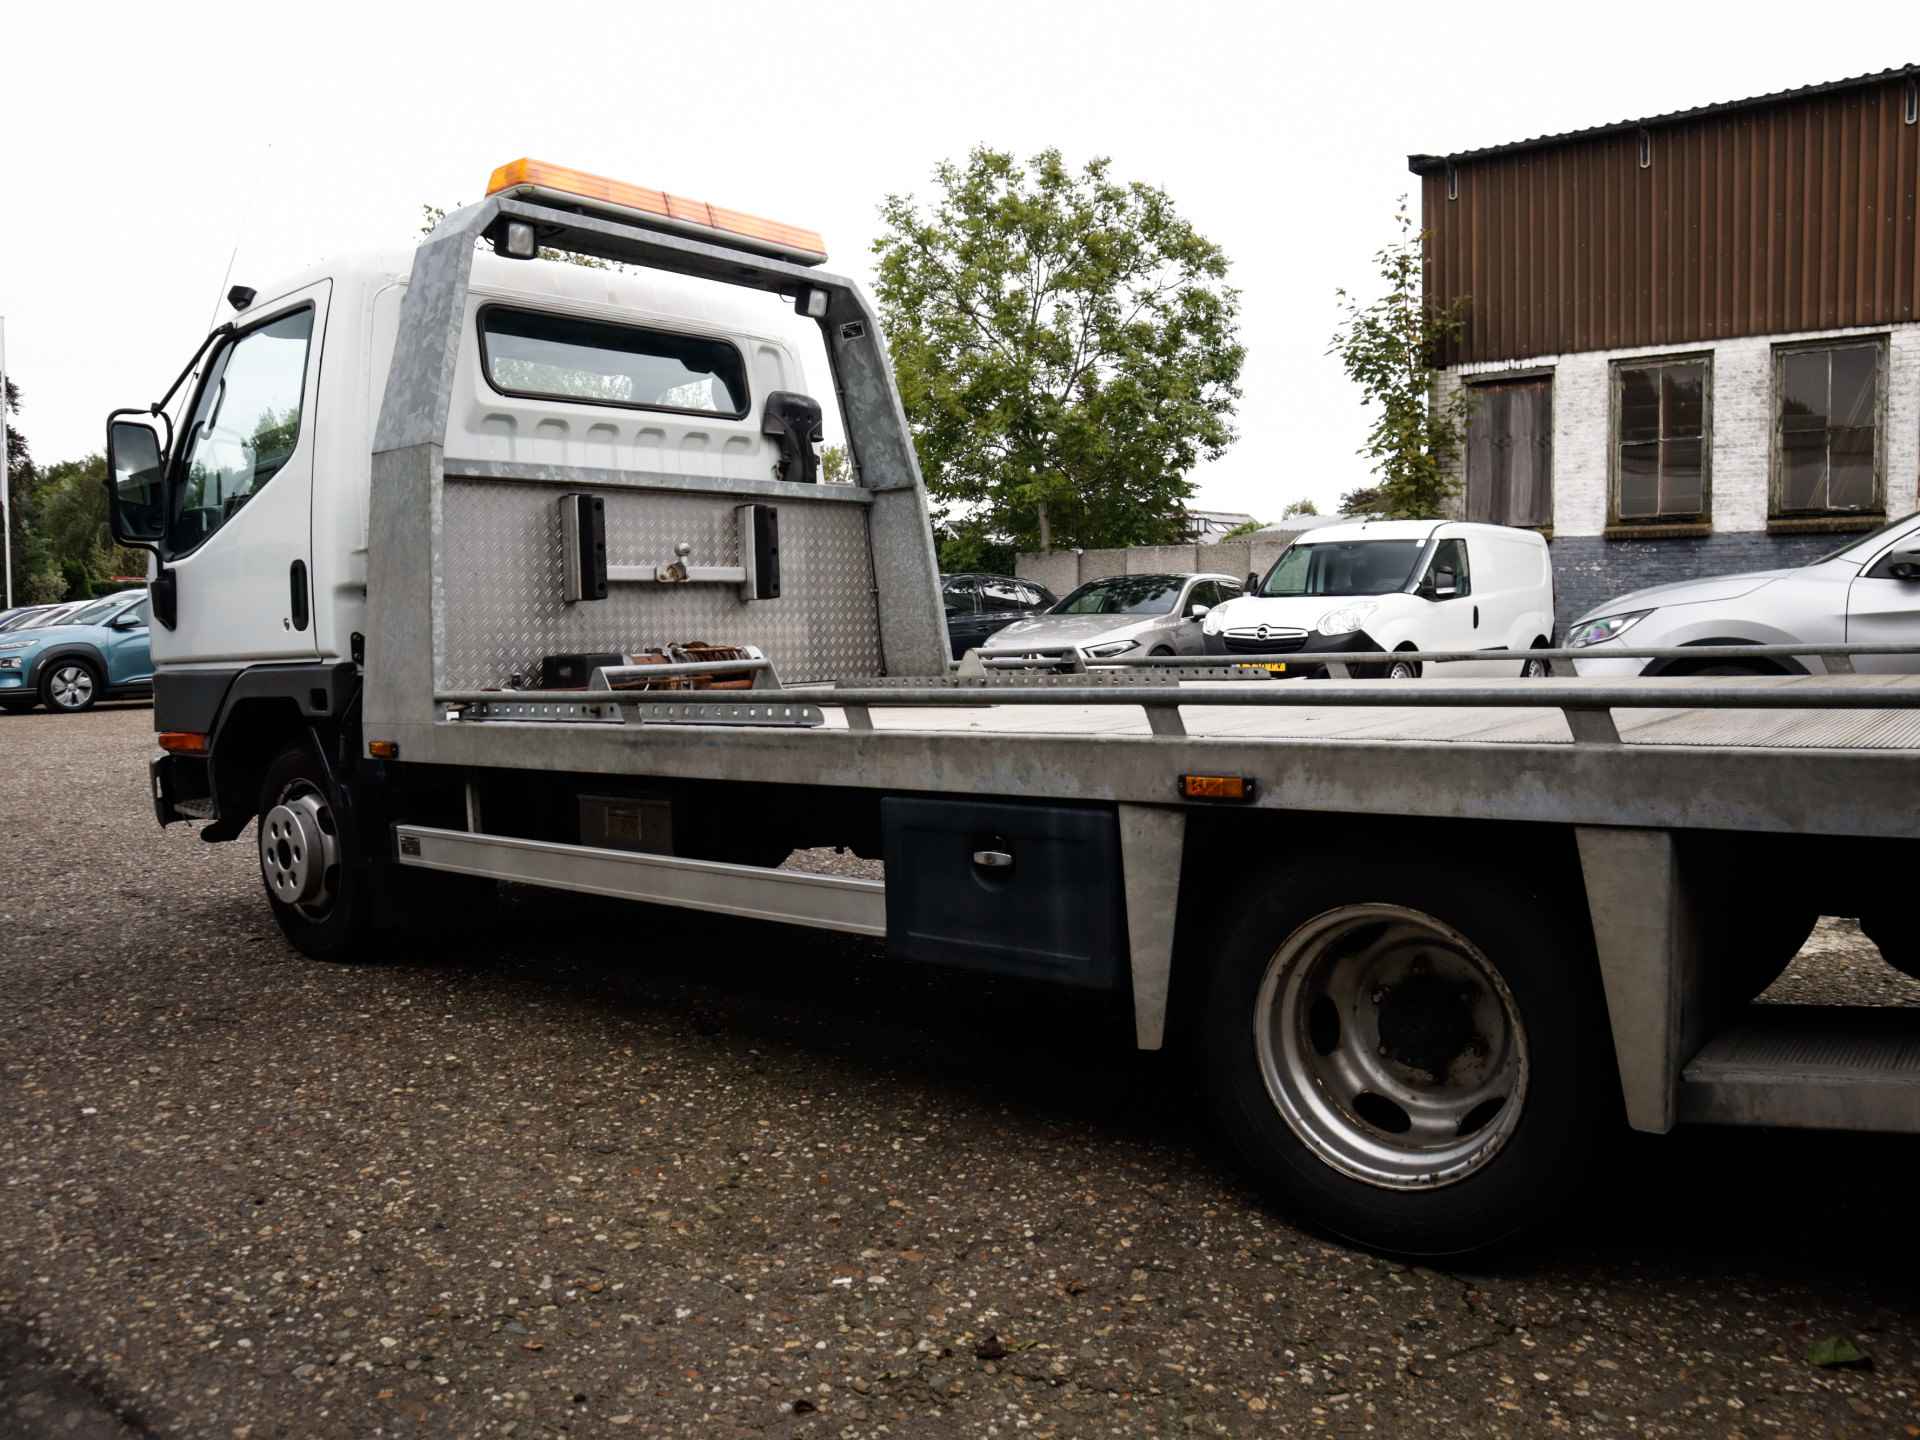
x=993, y=859
x=1476, y=617
x=297, y=587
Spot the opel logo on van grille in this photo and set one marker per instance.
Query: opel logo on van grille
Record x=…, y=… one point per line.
x=1263, y=633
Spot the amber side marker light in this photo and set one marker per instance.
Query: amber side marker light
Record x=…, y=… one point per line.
x=1216, y=787
x=183, y=742
x=384, y=749
x=534, y=178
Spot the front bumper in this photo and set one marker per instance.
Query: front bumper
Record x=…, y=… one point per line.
x=1312, y=643
x=1596, y=660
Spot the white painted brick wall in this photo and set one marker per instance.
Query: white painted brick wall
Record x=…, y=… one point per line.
x=1742, y=424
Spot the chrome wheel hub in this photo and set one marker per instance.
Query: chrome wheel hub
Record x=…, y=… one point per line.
x=71, y=686
x=300, y=852
x=1391, y=1046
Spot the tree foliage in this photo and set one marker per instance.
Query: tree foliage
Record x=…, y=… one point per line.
x=1389, y=348
x=61, y=547
x=1065, y=348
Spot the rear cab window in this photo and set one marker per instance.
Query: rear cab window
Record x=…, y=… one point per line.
x=538, y=355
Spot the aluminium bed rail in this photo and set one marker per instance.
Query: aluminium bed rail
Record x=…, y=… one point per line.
x=1587, y=704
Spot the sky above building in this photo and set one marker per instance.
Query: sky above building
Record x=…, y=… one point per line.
x=140, y=157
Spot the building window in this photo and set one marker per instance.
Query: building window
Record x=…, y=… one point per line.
x=1827, y=404
x=1662, y=451
x=1510, y=452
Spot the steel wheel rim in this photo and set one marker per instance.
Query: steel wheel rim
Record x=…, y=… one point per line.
x=71, y=686
x=1401, y=670
x=300, y=851
x=1356, y=1014
x=1534, y=670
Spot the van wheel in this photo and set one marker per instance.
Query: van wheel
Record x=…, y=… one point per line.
x=1536, y=669
x=1402, y=1052
x=1404, y=670
x=309, y=860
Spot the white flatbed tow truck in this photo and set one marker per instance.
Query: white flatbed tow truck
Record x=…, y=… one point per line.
x=535, y=579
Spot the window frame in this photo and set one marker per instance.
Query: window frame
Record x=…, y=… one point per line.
x=1880, y=343
x=176, y=462
x=966, y=585
x=1662, y=519
x=486, y=363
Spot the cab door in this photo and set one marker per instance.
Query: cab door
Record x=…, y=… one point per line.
x=239, y=533
x=1451, y=620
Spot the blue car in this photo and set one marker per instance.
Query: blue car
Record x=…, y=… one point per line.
x=96, y=653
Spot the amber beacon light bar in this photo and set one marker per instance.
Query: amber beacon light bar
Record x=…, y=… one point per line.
x=576, y=190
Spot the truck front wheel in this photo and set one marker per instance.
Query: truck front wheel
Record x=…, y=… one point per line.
x=1402, y=1053
x=308, y=859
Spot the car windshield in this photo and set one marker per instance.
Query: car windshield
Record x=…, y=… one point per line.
x=97, y=612
x=1864, y=543
x=1344, y=567
x=1123, y=595
x=24, y=621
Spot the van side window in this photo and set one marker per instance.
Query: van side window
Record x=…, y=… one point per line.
x=1448, y=570
x=567, y=357
x=245, y=426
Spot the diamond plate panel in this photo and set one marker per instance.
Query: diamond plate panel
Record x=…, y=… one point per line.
x=501, y=557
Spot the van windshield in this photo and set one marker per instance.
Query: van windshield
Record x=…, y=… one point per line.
x=1344, y=567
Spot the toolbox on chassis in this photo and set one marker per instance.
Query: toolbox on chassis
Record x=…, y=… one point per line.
x=534, y=578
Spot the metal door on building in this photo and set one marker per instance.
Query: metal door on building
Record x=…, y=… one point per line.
x=1510, y=452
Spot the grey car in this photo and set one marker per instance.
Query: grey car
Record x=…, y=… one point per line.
x=1124, y=615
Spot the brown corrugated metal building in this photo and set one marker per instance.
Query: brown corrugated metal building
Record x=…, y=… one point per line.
x=1694, y=338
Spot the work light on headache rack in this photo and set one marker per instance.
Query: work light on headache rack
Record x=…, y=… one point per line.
x=559, y=188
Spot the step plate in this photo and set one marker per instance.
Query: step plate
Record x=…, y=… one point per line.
x=1809, y=1067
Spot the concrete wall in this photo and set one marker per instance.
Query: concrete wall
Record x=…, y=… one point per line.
x=1590, y=568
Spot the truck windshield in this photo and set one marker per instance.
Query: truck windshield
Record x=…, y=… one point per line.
x=1123, y=595
x=1344, y=567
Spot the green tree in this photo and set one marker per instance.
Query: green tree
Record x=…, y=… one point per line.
x=834, y=469
x=1389, y=348
x=73, y=517
x=1065, y=348
x=1300, y=507
x=36, y=574
x=1243, y=529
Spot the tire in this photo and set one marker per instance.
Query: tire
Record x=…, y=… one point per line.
x=1310, y=1058
x=1534, y=669
x=1893, y=935
x=309, y=861
x=1161, y=650
x=1728, y=667
x=1752, y=942
x=1403, y=670
x=71, y=685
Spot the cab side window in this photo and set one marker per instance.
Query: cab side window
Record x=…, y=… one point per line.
x=1448, y=572
x=1207, y=593
x=245, y=426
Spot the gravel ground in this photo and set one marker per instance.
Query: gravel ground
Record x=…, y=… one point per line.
x=757, y=1182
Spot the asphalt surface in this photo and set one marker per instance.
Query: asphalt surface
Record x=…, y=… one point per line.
x=584, y=1170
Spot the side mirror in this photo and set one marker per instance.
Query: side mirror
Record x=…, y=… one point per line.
x=1199, y=612
x=1253, y=582
x=136, y=495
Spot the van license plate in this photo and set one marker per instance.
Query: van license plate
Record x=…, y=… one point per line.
x=1267, y=665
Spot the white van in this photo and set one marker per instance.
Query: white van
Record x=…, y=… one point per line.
x=1392, y=585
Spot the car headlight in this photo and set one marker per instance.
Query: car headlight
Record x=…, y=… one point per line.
x=9, y=662
x=1345, y=620
x=1606, y=627
x=1110, y=649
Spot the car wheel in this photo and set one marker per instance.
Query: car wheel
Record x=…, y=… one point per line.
x=1731, y=667
x=1406, y=1054
x=1536, y=669
x=70, y=685
x=1404, y=670
x=1161, y=650
x=308, y=860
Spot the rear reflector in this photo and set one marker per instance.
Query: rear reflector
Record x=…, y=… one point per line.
x=183, y=742
x=1216, y=787
x=384, y=749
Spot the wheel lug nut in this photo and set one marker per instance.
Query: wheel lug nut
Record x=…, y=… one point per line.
x=1380, y=995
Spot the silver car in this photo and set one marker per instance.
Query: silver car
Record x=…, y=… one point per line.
x=1867, y=592
x=1124, y=615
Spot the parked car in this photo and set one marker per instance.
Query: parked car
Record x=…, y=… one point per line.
x=1866, y=592
x=27, y=617
x=979, y=605
x=1391, y=585
x=98, y=652
x=1121, y=615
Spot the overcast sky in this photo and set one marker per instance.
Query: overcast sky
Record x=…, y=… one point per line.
x=135, y=156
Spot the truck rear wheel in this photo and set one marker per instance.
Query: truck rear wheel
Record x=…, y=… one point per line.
x=308, y=860
x=1402, y=1053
